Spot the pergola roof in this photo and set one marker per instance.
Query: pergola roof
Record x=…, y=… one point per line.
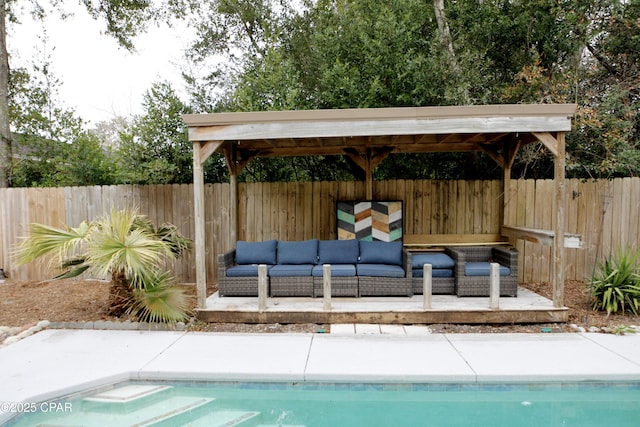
x=393, y=130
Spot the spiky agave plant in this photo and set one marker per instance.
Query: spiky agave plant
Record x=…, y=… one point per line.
x=124, y=246
x=616, y=284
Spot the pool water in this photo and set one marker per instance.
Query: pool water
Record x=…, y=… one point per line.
x=331, y=405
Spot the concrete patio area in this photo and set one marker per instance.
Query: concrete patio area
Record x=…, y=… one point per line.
x=53, y=363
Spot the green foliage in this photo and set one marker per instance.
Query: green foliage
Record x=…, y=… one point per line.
x=155, y=149
x=616, y=285
x=125, y=246
x=365, y=53
x=256, y=55
x=51, y=148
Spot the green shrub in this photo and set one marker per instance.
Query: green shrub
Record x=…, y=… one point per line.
x=616, y=283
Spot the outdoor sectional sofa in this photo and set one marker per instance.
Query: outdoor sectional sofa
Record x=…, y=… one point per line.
x=358, y=268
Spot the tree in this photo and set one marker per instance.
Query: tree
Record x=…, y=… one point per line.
x=155, y=148
x=124, y=246
x=124, y=20
x=5, y=127
x=365, y=53
x=51, y=148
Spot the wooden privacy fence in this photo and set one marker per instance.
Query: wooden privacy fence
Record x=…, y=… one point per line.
x=604, y=212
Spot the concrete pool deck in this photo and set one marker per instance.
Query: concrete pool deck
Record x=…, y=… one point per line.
x=54, y=362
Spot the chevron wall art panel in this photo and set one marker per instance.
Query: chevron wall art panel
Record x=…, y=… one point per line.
x=367, y=220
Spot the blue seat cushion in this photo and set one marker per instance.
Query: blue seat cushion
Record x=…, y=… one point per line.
x=305, y=252
x=375, y=252
x=380, y=270
x=482, y=269
x=291, y=270
x=435, y=272
x=256, y=252
x=337, y=270
x=338, y=251
x=247, y=270
x=437, y=260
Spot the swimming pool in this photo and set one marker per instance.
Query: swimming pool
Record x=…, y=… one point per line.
x=318, y=404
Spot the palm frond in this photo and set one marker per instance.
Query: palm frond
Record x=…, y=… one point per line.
x=178, y=243
x=159, y=302
x=74, y=272
x=45, y=240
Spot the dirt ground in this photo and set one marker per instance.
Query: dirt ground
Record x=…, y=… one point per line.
x=23, y=304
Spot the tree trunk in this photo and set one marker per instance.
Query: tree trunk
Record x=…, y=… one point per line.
x=5, y=129
x=120, y=295
x=447, y=45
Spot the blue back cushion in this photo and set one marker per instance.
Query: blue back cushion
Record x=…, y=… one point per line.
x=437, y=260
x=296, y=253
x=375, y=252
x=338, y=251
x=256, y=252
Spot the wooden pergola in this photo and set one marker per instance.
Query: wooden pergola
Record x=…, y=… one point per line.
x=368, y=136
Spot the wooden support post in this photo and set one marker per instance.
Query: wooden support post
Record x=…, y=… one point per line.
x=233, y=208
x=262, y=287
x=508, y=201
x=494, y=290
x=558, y=244
x=427, y=286
x=326, y=287
x=200, y=240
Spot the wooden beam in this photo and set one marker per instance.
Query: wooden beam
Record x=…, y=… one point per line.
x=514, y=111
x=493, y=154
x=356, y=157
x=508, y=196
x=337, y=128
x=548, y=141
x=511, y=152
x=467, y=316
x=208, y=148
x=427, y=241
x=543, y=237
x=378, y=155
x=233, y=208
x=558, y=247
x=368, y=161
x=199, y=220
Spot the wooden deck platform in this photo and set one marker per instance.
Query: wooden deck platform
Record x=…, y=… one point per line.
x=528, y=307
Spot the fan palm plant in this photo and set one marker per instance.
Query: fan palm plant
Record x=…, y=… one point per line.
x=124, y=246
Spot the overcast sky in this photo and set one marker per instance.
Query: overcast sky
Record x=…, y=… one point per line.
x=99, y=79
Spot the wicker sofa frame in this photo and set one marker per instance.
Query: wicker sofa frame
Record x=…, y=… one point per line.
x=246, y=286
x=293, y=286
x=388, y=286
x=479, y=285
x=340, y=286
x=439, y=285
